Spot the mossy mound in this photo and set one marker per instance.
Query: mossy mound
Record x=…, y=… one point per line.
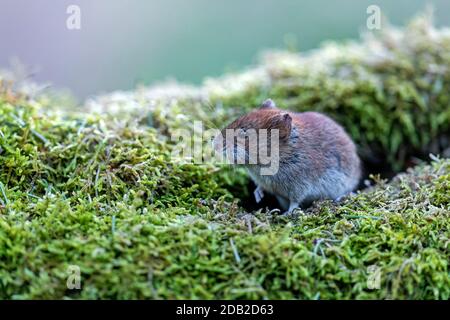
x=97, y=188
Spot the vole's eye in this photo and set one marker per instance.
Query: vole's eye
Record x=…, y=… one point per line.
x=242, y=132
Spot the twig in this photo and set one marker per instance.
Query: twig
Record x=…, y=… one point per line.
x=2, y=188
x=235, y=252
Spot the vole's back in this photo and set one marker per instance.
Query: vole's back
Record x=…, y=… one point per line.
x=317, y=159
x=322, y=155
x=326, y=143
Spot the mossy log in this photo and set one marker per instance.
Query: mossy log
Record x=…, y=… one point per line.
x=96, y=187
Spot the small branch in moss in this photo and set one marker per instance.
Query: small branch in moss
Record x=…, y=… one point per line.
x=2, y=188
x=235, y=252
x=361, y=217
x=39, y=136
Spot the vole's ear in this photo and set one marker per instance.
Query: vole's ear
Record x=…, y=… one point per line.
x=286, y=119
x=283, y=122
x=268, y=104
x=287, y=122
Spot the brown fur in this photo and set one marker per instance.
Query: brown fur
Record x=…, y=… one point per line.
x=317, y=158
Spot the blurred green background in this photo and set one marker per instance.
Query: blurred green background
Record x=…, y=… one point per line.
x=123, y=43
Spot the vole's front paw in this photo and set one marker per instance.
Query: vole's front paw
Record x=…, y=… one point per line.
x=293, y=212
x=259, y=194
x=339, y=199
x=292, y=206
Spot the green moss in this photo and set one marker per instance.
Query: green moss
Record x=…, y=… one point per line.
x=97, y=187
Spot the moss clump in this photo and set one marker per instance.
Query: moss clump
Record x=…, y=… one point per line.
x=102, y=192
